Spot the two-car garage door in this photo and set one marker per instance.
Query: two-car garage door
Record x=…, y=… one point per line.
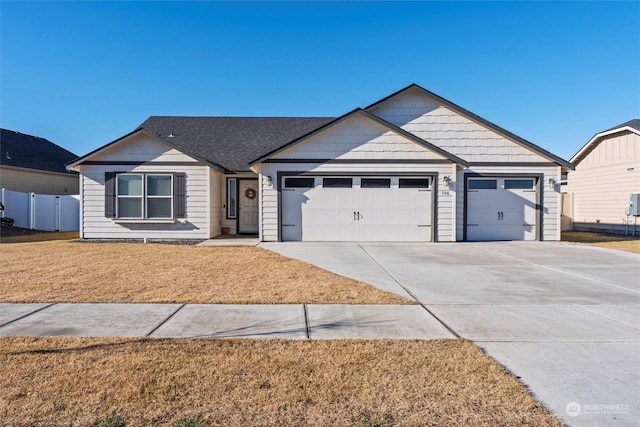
x=356, y=208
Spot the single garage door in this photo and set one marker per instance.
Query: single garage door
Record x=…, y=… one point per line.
x=501, y=209
x=353, y=208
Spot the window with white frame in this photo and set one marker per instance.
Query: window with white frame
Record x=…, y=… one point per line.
x=144, y=196
x=232, y=198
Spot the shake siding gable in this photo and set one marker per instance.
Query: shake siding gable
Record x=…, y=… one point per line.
x=447, y=129
x=357, y=138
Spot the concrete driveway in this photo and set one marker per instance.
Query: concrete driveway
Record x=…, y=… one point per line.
x=564, y=318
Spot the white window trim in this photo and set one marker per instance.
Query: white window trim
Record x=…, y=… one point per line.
x=144, y=197
x=147, y=196
x=118, y=196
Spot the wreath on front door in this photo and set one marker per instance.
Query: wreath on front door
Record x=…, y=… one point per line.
x=250, y=193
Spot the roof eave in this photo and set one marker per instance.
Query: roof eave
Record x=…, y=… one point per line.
x=27, y=169
x=301, y=138
x=75, y=165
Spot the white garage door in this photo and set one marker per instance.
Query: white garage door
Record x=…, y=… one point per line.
x=353, y=208
x=501, y=209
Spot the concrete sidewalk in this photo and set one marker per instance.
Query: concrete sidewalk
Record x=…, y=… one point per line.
x=221, y=321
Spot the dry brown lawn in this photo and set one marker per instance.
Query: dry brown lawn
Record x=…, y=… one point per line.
x=76, y=381
x=609, y=241
x=23, y=235
x=156, y=273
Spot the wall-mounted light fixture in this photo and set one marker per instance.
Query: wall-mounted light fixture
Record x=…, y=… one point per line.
x=552, y=183
x=269, y=180
x=446, y=179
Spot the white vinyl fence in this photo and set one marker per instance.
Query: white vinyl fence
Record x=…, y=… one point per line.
x=41, y=211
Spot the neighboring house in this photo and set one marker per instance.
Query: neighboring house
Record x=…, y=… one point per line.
x=31, y=164
x=411, y=167
x=607, y=172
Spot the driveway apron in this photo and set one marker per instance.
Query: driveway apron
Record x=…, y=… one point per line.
x=564, y=318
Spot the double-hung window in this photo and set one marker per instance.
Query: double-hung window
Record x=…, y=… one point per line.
x=144, y=196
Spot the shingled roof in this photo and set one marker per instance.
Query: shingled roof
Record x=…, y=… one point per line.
x=634, y=123
x=32, y=152
x=230, y=142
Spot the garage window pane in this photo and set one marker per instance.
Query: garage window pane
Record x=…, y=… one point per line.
x=299, y=182
x=482, y=184
x=375, y=183
x=413, y=183
x=337, y=182
x=525, y=184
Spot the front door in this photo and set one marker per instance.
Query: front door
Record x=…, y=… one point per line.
x=248, y=214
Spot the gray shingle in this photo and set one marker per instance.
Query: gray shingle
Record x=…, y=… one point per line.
x=32, y=152
x=634, y=123
x=231, y=142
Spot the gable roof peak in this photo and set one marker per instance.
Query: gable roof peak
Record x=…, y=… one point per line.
x=632, y=125
x=480, y=120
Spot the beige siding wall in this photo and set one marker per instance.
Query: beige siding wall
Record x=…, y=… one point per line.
x=444, y=199
x=604, y=179
x=40, y=182
x=550, y=195
x=357, y=137
x=426, y=118
x=94, y=225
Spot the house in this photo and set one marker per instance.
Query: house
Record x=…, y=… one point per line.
x=31, y=164
x=410, y=167
x=607, y=172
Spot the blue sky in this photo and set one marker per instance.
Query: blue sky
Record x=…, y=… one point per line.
x=85, y=73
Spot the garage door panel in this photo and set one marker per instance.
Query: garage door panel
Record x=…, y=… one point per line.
x=357, y=214
x=503, y=212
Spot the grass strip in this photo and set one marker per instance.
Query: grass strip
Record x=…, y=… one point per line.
x=68, y=272
x=76, y=381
